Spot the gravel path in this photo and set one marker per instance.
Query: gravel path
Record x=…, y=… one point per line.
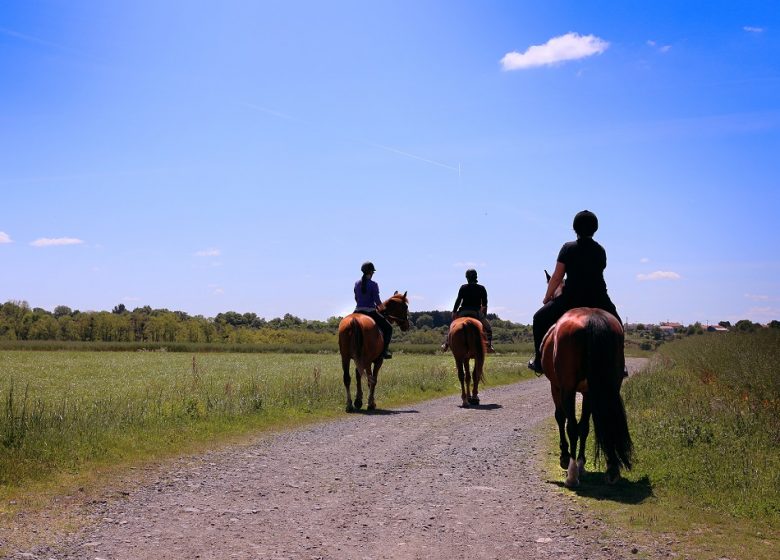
x=429, y=481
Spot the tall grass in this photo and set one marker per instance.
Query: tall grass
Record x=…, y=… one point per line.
x=706, y=422
x=65, y=411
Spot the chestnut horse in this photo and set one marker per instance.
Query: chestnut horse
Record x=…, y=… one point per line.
x=466, y=342
x=583, y=352
x=361, y=340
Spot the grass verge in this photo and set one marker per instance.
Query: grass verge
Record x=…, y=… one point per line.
x=704, y=420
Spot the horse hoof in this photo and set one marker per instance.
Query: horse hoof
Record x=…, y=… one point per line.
x=581, y=466
x=465, y=403
x=564, y=462
x=474, y=400
x=350, y=408
x=358, y=404
x=572, y=478
x=371, y=406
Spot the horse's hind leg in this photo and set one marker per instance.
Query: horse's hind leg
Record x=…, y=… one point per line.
x=572, y=429
x=359, y=390
x=560, y=419
x=467, y=369
x=347, y=381
x=478, y=365
x=372, y=379
x=584, y=430
x=461, y=378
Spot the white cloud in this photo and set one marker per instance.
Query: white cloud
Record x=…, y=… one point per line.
x=208, y=253
x=662, y=48
x=219, y=291
x=571, y=46
x=5, y=238
x=659, y=275
x=644, y=260
x=756, y=297
x=56, y=241
x=753, y=29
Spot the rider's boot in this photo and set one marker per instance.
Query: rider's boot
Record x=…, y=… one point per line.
x=535, y=363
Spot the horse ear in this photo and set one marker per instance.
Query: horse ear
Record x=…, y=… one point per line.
x=404, y=294
x=395, y=293
x=547, y=274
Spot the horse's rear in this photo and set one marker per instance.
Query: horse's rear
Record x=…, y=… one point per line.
x=584, y=352
x=361, y=341
x=467, y=343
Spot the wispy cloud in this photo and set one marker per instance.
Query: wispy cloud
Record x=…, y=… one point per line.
x=757, y=297
x=644, y=260
x=658, y=275
x=56, y=241
x=208, y=253
x=753, y=29
x=571, y=46
x=5, y=238
x=660, y=48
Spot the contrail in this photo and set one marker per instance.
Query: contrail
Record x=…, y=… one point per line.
x=286, y=117
x=407, y=154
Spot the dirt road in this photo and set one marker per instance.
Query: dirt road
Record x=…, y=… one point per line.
x=429, y=481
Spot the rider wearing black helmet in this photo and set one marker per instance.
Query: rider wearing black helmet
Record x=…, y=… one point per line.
x=367, y=301
x=472, y=301
x=582, y=262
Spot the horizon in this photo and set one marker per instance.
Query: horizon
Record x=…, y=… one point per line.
x=250, y=158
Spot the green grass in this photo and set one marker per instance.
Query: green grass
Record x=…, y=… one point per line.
x=704, y=421
x=64, y=412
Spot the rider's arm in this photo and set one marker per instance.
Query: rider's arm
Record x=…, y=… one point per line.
x=555, y=281
x=458, y=301
x=484, y=301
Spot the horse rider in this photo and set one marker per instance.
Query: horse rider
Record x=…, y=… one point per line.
x=582, y=262
x=472, y=301
x=368, y=302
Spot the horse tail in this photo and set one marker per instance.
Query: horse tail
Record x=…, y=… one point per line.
x=604, y=375
x=474, y=338
x=357, y=339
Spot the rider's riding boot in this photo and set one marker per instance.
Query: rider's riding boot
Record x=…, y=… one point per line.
x=535, y=364
x=386, y=354
x=445, y=346
x=490, y=349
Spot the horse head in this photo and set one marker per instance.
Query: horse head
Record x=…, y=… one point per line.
x=396, y=309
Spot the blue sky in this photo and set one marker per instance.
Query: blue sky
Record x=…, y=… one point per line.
x=249, y=156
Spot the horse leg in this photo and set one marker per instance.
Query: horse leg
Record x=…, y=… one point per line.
x=572, y=472
x=584, y=430
x=477, y=377
x=560, y=419
x=359, y=391
x=372, y=379
x=347, y=381
x=467, y=369
x=461, y=378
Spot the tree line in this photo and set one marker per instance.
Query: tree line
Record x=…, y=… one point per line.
x=18, y=321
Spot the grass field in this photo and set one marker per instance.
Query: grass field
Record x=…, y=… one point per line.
x=70, y=411
x=705, y=423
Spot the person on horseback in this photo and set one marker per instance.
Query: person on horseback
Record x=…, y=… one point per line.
x=472, y=301
x=368, y=302
x=582, y=262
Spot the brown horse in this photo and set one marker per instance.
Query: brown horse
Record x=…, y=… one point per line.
x=361, y=340
x=583, y=352
x=466, y=342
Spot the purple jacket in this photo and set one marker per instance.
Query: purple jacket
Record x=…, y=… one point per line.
x=368, y=300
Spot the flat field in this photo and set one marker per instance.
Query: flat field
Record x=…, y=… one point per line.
x=64, y=412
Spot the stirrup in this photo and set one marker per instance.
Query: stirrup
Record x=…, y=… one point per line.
x=387, y=355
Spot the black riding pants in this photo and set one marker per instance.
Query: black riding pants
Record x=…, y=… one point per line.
x=383, y=324
x=554, y=309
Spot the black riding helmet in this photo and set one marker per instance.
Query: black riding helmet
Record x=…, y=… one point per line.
x=471, y=275
x=367, y=268
x=586, y=223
